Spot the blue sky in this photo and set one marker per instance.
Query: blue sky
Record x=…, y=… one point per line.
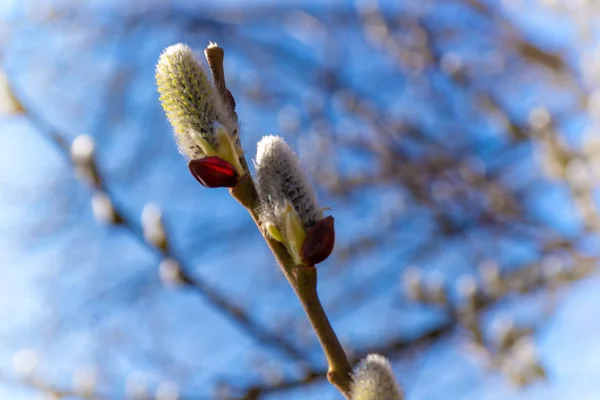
x=82, y=294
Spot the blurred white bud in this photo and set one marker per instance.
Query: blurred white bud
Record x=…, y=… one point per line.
x=373, y=379
x=103, y=209
x=170, y=272
x=222, y=391
x=25, y=362
x=82, y=156
x=589, y=63
x=376, y=31
x=578, y=174
x=525, y=350
x=552, y=268
x=503, y=330
x=539, y=118
x=490, y=278
x=435, y=288
x=136, y=387
x=82, y=149
x=151, y=215
x=514, y=370
x=451, y=62
x=521, y=363
x=594, y=164
x=84, y=381
x=167, y=391
x=590, y=145
x=412, y=283
x=152, y=226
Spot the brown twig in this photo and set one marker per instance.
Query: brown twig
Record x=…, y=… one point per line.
x=303, y=279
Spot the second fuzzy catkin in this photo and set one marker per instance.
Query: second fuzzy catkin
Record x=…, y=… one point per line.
x=280, y=180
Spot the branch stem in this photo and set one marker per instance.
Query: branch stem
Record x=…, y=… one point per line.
x=303, y=280
x=306, y=290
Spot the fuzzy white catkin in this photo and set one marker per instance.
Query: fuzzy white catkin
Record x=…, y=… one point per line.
x=190, y=101
x=373, y=379
x=280, y=179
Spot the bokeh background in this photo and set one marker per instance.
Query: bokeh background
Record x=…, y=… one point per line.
x=456, y=142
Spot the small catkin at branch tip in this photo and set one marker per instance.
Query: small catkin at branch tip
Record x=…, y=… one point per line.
x=373, y=379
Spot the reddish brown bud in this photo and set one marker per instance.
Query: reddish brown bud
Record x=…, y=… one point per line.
x=319, y=241
x=213, y=172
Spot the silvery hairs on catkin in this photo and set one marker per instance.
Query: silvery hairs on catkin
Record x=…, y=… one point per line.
x=280, y=179
x=373, y=379
x=192, y=104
